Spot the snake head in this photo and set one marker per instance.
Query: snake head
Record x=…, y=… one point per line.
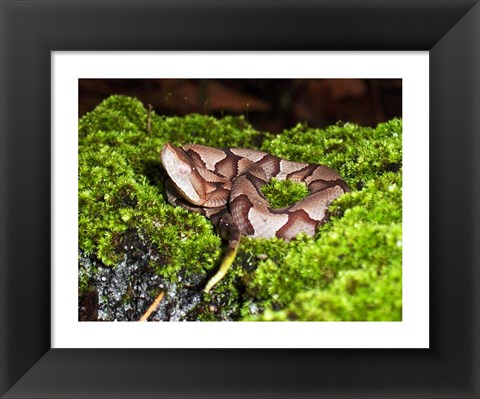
x=183, y=173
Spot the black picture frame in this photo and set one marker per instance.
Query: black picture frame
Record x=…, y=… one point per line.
x=30, y=30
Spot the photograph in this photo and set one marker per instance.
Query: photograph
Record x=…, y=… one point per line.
x=240, y=200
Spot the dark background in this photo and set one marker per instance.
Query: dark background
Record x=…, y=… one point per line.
x=268, y=104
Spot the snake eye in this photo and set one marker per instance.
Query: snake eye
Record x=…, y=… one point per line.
x=184, y=170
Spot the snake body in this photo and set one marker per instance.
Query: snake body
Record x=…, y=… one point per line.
x=224, y=184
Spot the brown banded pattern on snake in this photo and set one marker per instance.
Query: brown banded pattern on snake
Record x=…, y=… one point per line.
x=225, y=186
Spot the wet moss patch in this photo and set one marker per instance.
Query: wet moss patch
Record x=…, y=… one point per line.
x=133, y=244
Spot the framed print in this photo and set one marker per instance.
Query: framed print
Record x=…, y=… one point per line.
x=425, y=345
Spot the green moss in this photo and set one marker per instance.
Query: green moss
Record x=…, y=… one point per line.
x=283, y=193
x=351, y=270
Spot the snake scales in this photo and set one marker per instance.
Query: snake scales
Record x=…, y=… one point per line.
x=224, y=184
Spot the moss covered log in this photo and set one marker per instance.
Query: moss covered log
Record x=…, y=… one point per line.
x=133, y=244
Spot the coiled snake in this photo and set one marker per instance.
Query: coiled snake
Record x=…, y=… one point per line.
x=224, y=184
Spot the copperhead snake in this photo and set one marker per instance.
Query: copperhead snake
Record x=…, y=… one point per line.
x=224, y=184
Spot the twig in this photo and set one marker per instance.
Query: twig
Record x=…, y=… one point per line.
x=149, y=112
x=152, y=307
